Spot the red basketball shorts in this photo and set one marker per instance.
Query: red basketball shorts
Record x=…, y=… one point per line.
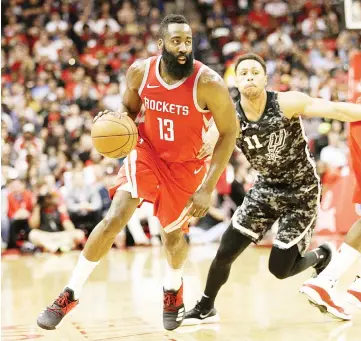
x=355, y=153
x=167, y=185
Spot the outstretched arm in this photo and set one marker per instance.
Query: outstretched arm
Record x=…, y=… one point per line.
x=294, y=103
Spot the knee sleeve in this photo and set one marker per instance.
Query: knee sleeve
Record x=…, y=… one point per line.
x=233, y=243
x=281, y=262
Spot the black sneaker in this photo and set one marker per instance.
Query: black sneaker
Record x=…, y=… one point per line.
x=322, y=264
x=173, y=308
x=200, y=314
x=53, y=314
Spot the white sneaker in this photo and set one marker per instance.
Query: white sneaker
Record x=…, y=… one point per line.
x=321, y=293
x=354, y=293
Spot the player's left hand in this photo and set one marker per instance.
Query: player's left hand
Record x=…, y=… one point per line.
x=199, y=203
x=105, y=112
x=205, y=151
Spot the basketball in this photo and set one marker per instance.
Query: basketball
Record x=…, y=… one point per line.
x=114, y=137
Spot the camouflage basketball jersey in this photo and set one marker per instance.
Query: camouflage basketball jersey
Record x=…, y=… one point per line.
x=276, y=146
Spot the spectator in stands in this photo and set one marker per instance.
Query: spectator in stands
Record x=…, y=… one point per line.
x=144, y=216
x=313, y=24
x=83, y=203
x=56, y=24
x=5, y=222
x=63, y=61
x=277, y=8
x=334, y=155
x=51, y=228
x=20, y=206
x=259, y=18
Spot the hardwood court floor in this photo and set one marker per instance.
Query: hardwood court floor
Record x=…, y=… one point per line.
x=123, y=300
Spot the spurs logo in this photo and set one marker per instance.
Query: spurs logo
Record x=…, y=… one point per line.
x=276, y=144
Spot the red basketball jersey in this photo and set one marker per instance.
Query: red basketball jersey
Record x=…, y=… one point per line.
x=355, y=154
x=173, y=123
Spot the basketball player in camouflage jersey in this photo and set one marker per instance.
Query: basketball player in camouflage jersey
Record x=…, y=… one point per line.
x=287, y=187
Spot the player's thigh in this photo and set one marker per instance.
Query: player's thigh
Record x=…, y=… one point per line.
x=296, y=226
x=255, y=216
x=121, y=209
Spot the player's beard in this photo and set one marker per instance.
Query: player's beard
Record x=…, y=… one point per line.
x=174, y=68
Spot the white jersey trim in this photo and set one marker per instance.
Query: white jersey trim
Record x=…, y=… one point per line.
x=295, y=241
x=312, y=162
x=130, y=172
x=195, y=85
x=145, y=76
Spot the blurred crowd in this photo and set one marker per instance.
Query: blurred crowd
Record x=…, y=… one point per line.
x=63, y=61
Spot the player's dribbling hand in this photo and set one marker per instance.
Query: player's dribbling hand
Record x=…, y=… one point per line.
x=358, y=101
x=199, y=203
x=116, y=114
x=206, y=150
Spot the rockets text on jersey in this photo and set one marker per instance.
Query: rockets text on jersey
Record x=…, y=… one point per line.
x=173, y=122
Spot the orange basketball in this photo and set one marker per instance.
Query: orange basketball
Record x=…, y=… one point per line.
x=114, y=137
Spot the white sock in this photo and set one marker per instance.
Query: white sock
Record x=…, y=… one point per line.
x=80, y=274
x=173, y=280
x=341, y=262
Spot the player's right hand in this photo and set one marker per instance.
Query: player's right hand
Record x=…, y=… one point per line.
x=115, y=114
x=358, y=101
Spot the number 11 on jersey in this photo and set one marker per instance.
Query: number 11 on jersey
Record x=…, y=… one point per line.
x=166, y=129
x=256, y=141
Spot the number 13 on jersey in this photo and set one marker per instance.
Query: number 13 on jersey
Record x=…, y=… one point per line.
x=166, y=129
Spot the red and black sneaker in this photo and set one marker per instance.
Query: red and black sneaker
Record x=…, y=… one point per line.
x=53, y=314
x=173, y=308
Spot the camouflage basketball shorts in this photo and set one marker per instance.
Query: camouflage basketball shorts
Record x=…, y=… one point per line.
x=295, y=208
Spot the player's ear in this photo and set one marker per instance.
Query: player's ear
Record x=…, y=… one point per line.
x=160, y=43
x=266, y=81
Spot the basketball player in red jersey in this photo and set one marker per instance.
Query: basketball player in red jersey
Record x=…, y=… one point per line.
x=321, y=290
x=181, y=98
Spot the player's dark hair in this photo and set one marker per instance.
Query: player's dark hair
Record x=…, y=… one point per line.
x=252, y=56
x=171, y=19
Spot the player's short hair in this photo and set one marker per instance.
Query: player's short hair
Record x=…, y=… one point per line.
x=252, y=56
x=171, y=19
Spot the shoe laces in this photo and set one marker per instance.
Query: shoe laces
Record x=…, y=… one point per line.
x=198, y=306
x=170, y=298
x=61, y=304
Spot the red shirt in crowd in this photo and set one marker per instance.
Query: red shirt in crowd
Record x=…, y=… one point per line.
x=18, y=200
